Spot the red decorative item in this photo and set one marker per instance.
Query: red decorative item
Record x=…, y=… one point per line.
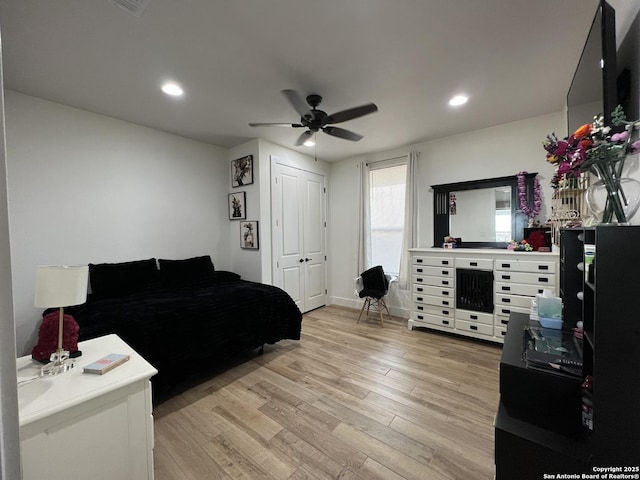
x=48, y=337
x=537, y=239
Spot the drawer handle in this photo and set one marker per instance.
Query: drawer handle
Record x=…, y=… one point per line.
x=504, y=322
x=540, y=290
x=419, y=270
x=506, y=265
x=543, y=279
x=420, y=307
x=445, y=312
x=503, y=333
x=418, y=260
x=419, y=289
x=506, y=277
x=445, y=282
x=506, y=300
x=504, y=310
x=420, y=317
x=473, y=264
x=444, y=292
x=445, y=322
x=445, y=262
x=508, y=289
x=445, y=302
x=473, y=327
x=445, y=272
x=473, y=317
x=543, y=267
x=419, y=280
x=419, y=299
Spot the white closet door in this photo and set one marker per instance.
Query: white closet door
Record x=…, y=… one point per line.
x=298, y=206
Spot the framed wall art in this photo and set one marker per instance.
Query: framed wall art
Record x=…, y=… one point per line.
x=237, y=206
x=242, y=171
x=249, y=235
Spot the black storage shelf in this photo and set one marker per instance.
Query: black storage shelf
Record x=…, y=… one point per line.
x=609, y=310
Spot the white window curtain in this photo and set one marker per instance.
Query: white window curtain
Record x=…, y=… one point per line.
x=364, y=239
x=410, y=234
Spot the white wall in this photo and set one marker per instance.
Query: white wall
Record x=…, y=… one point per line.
x=491, y=152
x=88, y=188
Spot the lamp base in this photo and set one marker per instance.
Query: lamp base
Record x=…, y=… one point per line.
x=59, y=363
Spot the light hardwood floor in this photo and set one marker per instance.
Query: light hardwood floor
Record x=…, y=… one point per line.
x=349, y=401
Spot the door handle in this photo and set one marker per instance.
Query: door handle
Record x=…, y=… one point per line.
x=307, y=259
x=301, y=261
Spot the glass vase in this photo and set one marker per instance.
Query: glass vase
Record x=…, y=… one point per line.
x=613, y=202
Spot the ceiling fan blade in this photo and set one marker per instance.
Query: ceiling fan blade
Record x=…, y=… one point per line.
x=352, y=113
x=303, y=138
x=342, y=133
x=297, y=102
x=294, y=125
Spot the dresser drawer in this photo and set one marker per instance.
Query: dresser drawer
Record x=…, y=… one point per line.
x=499, y=331
x=433, y=319
x=478, y=317
x=506, y=310
x=546, y=279
x=433, y=261
x=448, y=312
x=433, y=281
x=482, y=328
x=434, y=291
x=501, y=321
x=518, y=289
x=512, y=300
x=525, y=266
x=433, y=271
x=432, y=300
x=475, y=263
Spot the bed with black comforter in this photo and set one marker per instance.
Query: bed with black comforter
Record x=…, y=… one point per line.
x=184, y=313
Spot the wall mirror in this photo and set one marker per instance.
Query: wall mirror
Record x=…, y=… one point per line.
x=483, y=213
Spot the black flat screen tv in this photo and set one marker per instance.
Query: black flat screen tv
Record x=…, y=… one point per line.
x=593, y=89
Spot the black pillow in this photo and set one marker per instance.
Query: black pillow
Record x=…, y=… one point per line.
x=117, y=279
x=187, y=272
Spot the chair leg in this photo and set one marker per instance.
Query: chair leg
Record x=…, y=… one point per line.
x=384, y=304
x=365, y=304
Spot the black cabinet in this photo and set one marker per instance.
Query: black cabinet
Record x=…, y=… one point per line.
x=608, y=302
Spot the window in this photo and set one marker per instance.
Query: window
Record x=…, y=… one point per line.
x=387, y=199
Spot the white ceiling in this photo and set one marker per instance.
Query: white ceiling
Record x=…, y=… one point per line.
x=514, y=58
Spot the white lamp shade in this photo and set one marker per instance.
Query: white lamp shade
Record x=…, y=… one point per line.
x=61, y=285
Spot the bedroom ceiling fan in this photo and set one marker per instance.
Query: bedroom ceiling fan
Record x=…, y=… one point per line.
x=313, y=119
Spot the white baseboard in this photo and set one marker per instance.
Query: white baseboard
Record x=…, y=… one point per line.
x=357, y=304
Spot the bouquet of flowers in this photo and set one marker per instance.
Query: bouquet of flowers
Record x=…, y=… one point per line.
x=591, y=148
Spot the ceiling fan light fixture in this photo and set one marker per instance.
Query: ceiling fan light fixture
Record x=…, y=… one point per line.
x=458, y=100
x=310, y=142
x=173, y=89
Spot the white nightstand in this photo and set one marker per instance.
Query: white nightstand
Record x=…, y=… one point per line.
x=77, y=426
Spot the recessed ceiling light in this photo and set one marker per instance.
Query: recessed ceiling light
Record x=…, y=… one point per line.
x=458, y=100
x=172, y=89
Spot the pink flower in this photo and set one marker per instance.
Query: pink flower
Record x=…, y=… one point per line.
x=635, y=146
x=620, y=137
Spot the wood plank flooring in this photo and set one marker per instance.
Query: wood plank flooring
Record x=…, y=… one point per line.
x=349, y=401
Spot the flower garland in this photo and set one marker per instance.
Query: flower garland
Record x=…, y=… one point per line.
x=522, y=196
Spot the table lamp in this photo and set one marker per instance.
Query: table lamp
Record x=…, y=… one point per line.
x=60, y=286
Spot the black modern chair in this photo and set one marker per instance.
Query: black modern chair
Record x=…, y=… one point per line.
x=375, y=285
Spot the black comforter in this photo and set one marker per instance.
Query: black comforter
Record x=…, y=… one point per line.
x=175, y=328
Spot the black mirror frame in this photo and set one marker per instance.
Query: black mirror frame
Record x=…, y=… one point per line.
x=441, y=208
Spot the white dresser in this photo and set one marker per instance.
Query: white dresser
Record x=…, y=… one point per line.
x=472, y=291
x=77, y=426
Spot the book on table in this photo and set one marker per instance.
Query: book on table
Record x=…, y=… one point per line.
x=106, y=363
